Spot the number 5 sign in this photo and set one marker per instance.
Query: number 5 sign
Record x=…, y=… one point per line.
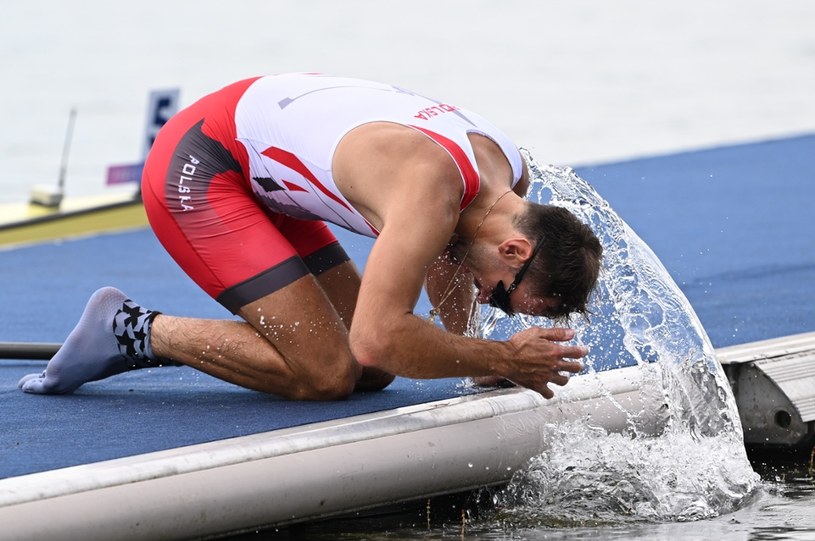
x=161, y=106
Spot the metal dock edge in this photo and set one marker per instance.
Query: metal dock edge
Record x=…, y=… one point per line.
x=774, y=385
x=314, y=471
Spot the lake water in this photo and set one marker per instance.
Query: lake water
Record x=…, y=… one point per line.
x=576, y=82
x=781, y=508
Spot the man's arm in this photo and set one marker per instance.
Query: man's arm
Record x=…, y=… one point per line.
x=386, y=334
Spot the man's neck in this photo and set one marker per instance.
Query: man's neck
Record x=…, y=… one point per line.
x=492, y=213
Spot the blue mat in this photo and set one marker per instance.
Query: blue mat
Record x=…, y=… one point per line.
x=730, y=224
x=153, y=410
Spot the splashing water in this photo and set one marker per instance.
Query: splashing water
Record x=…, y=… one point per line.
x=589, y=477
x=697, y=467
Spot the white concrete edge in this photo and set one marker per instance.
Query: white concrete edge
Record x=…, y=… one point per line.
x=223, y=453
x=766, y=349
x=302, y=486
x=316, y=471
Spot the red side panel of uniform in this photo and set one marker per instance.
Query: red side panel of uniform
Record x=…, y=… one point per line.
x=201, y=207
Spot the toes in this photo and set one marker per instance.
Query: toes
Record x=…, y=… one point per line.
x=35, y=385
x=29, y=377
x=41, y=384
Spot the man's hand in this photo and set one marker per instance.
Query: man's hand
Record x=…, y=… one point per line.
x=539, y=360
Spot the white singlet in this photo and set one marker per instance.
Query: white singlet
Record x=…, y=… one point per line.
x=291, y=125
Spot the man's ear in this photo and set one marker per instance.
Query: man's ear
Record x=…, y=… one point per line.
x=515, y=250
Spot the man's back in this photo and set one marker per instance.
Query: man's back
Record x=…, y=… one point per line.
x=290, y=126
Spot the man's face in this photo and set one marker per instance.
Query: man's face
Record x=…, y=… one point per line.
x=521, y=299
x=524, y=303
x=484, y=270
x=488, y=271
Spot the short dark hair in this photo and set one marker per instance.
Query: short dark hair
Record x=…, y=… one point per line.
x=569, y=261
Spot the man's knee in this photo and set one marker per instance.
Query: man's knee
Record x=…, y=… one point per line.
x=332, y=378
x=373, y=379
x=339, y=384
x=336, y=387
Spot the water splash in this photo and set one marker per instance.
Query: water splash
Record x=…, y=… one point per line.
x=589, y=477
x=697, y=467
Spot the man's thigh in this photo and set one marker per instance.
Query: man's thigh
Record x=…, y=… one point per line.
x=341, y=285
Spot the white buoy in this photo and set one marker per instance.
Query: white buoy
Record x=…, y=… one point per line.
x=51, y=196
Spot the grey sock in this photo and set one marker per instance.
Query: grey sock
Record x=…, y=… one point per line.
x=112, y=336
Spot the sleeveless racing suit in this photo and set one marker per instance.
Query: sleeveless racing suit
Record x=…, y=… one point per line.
x=238, y=186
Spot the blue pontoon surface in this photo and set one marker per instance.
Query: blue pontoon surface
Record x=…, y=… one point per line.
x=731, y=224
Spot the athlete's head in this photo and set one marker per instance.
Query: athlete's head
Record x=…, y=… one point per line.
x=564, y=263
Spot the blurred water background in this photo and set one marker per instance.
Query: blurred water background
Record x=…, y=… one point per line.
x=574, y=81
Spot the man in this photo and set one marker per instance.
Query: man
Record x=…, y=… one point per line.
x=237, y=188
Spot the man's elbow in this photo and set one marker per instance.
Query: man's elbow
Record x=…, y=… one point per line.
x=369, y=347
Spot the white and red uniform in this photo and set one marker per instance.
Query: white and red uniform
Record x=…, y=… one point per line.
x=237, y=186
